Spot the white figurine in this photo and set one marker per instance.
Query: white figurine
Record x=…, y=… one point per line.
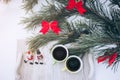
x=38, y=58
x=29, y=57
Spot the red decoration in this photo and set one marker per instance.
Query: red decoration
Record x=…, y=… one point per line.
x=53, y=25
x=110, y=58
x=30, y=58
x=74, y=4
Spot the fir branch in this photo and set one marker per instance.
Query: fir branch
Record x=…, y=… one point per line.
x=97, y=38
x=86, y=42
x=29, y=4
x=62, y=1
x=115, y=14
x=6, y=1
x=75, y=30
x=98, y=13
x=40, y=40
x=77, y=51
x=47, y=13
x=70, y=34
x=116, y=2
x=107, y=20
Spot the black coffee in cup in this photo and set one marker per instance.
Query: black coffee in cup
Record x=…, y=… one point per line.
x=59, y=53
x=73, y=64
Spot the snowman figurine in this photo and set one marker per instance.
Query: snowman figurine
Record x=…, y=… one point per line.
x=29, y=57
x=38, y=58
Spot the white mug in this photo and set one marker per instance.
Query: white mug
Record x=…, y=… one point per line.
x=60, y=51
x=78, y=59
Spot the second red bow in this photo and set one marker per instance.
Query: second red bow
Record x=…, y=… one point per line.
x=76, y=4
x=110, y=58
x=53, y=25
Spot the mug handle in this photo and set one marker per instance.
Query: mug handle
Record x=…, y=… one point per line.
x=64, y=68
x=54, y=62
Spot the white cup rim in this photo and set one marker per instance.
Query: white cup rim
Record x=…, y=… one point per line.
x=64, y=48
x=80, y=62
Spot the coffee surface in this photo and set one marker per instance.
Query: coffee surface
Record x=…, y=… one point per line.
x=59, y=53
x=73, y=64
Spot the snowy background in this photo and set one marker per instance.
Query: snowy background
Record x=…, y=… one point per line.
x=11, y=31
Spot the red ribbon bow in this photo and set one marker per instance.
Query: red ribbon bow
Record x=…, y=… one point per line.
x=110, y=58
x=52, y=25
x=74, y=4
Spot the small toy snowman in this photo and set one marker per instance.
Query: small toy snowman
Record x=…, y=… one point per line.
x=29, y=57
x=38, y=58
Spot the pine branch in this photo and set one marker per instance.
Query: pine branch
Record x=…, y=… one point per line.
x=76, y=29
x=62, y=1
x=47, y=13
x=29, y=4
x=116, y=63
x=40, y=40
x=115, y=14
x=68, y=36
x=98, y=12
x=6, y=1
x=77, y=51
x=97, y=38
x=109, y=23
x=116, y=2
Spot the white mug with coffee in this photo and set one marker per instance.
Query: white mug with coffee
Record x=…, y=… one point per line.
x=59, y=53
x=73, y=64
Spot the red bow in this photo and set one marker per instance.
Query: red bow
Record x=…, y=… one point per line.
x=78, y=5
x=52, y=25
x=111, y=58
